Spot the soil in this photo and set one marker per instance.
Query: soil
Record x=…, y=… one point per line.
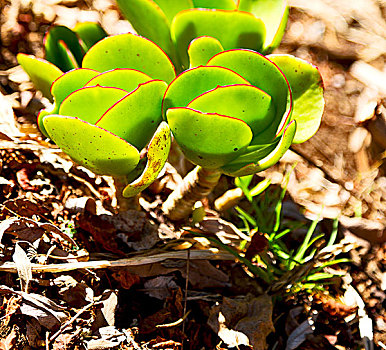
x=75, y=273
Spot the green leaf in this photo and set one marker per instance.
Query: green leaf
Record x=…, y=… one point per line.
x=260, y=187
x=265, y=75
x=41, y=72
x=202, y=49
x=171, y=7
x=251, y=155
x=215, y=4
x=122, y=78
x=157, y=155
x=135, y=117
x=91, y=146
x=274, y=14
x=307, y=92
x=245, y=102
x=90, y=103
x=209, y=140
x=232, y=28
x=150, y=21
x=271, y=159
x=193, y=82
x=70, y=82
x=90, y=33
x=61, y=43
x=64, y=86
x=130, y=51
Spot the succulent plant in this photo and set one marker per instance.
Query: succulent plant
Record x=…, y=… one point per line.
x=238, y=112
x=64, y=50
x=106, y=112
x=172, y=24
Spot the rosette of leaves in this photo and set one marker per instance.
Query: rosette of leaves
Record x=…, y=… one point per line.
x=64, y=50
x=106, y=112
x=237, y=113
x=254, y=24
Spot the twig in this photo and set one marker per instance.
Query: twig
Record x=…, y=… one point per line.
x=134, y=261
x=186, y=289
x=175, y=323
x=65, y=325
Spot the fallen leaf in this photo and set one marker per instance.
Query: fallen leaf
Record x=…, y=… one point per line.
x=23, y=207
x=23, y=265
x=22, y=177
x=33, y=334
x=109, y=337
x=160, y=287
x=335, y=307
x=298, y=336
x=77, y=294
x=64, y=341
x=172, y=311
x=44, y=310
x=9, y=341
x=244, y=321
x=12, y=306
x=372, y=231
x=202, y=274
x=105, y=316
x=125, y=278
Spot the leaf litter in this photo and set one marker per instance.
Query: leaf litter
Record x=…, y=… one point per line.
x=75, y=274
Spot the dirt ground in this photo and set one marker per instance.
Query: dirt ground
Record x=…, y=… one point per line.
x=74, y=274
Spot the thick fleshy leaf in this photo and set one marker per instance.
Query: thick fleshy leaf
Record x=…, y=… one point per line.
x=194, y=82
x=233, y=29
x=215, y=4
x=58, y=41
x=202, y=49
x=245, y=102
x=130, y=51
x=41, y=72
x=307, y=91
x=122, y=78
x=90, y=103
x=136, y=117
x=171, y=7
x=62, y=87
x=209, y=140
x=70, y=82
x=240, y=168
x=157, y=155
x=148, y=20
x=274, y=14
x=90, y=33
x=91, y=146
x=265, y=75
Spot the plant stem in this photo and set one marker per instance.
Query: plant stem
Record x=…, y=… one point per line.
x=124, y=203
x=195, y=186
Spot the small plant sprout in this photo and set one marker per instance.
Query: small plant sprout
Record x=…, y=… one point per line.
x=237, y=113
x=106, y=112
x=295, y=269
x=64, y=50
x=252, y=24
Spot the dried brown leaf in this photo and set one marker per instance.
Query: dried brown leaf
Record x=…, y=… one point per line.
x=23, y=207
x=9, y=341
x=372, y=231
x=77, y=294
x=44, y=310
x=105, y=316
x=23, y=265
x=244, y=321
